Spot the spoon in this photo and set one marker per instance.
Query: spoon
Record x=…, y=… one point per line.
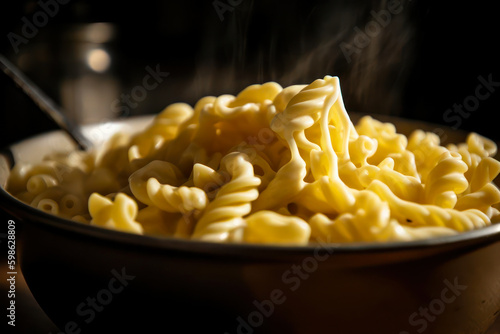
x=45, y=103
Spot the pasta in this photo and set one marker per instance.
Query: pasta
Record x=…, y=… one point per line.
x=271, y=165
x=224, y=215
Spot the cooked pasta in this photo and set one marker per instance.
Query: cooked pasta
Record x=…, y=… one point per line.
x=119, y=214
x=224, y=215
x=271, y=165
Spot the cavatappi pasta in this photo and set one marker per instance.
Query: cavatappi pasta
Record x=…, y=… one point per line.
x=271, y=165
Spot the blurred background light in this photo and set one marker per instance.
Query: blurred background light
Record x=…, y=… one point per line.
x=98, y=60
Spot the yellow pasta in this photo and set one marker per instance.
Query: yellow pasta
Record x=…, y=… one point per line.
x=119, y=214
x=175, y=199
x=271, y=227
x=271, y=165
x=224, y=215
x=158, y=222
x=445, y=180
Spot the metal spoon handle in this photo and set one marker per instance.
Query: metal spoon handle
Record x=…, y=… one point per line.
x=45, y=103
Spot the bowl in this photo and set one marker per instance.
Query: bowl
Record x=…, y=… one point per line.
x=93, y=280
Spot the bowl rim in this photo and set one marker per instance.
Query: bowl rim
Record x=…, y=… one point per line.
x=29, y=214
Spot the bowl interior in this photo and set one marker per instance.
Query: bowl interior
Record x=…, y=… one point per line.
x=34, y=149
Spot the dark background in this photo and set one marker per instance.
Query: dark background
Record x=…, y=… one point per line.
x=426, y=59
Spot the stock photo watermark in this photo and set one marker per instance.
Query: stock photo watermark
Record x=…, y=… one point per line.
x=123, y=105
x=39, y=19
x=12, y=272
x=138, y=93
x=455, y=116
x=421, y=318
x=460, y=111
x=292, y=278
x=88, y=309
x=363, y=37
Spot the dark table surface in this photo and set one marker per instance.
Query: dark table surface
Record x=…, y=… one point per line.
x=31, y=319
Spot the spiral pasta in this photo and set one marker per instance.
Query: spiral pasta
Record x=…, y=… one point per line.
x=271, y=165
x=119, y=214
x=224, y=215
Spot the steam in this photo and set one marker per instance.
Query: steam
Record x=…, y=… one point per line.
x=370, y=46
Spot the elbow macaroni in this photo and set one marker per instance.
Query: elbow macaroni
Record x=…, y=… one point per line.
x=271, y=165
